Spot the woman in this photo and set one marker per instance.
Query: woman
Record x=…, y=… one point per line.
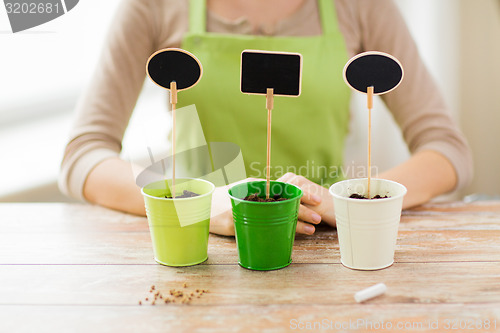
x=327, y=33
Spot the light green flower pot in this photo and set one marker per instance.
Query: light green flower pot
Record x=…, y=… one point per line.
x=179, y=227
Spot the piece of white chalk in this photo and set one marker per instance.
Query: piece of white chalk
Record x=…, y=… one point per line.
x=370, y=292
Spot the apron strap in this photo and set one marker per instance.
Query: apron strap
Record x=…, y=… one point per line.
x=328, y=17
x=197, y=16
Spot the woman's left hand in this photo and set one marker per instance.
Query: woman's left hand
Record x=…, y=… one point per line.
x=316, y=203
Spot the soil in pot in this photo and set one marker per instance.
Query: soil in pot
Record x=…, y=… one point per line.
x=185, y=194
x=359, y=196
x=255, y=197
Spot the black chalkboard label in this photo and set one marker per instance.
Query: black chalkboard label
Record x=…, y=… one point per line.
x=177, y=65
x=380, y=70
x=261, y=70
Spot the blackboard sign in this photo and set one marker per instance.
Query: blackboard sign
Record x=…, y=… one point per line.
x=174, y=65
x=281, y=71
x=374, y=69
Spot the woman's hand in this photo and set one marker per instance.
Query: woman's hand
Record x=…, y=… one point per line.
x=426, y=175
x=316, y=206
x=106, y=184
x=221, y=219
x=316, y=203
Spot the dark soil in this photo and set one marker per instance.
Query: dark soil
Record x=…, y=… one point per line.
x=359, y=196
x=255, y=197
x=185, y=194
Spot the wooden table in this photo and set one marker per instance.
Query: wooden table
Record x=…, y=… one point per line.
x=79, y=268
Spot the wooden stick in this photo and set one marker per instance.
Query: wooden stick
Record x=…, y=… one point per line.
x=269, y=107
x=369, y=96
x=173, y=101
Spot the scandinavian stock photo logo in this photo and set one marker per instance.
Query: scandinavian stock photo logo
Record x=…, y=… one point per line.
x=26, y=14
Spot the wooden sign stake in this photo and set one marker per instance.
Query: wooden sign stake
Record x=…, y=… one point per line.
x=173, y=101
x=269, y=107
x=175, y=70
x=365, y=71
x=261, y=70
x=369, y=96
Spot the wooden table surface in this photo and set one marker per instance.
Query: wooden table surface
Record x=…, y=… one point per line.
x=80, y=268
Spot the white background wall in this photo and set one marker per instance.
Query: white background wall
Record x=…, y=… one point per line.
x=459, y=41
x=42, y=72
x=430, y=23
x=480, y=90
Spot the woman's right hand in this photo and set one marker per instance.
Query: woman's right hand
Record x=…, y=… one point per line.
x=316, y=204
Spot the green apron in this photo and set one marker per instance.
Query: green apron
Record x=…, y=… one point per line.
x=308, y=131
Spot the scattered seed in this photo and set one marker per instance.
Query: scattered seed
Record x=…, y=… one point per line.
x=183, y=296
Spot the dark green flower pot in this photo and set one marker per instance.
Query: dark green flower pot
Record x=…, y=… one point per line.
x=265, y=231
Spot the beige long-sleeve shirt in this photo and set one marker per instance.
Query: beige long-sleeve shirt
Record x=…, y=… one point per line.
x=143, y=26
